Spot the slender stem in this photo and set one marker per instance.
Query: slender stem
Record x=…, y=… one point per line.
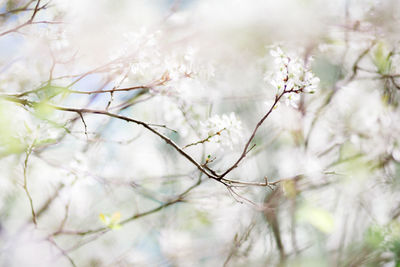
x=145, y=125
x=25, y=185
x=111, y=90
x=246, y=150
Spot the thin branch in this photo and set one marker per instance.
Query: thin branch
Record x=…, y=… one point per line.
x=237, y=243
x=234, y=193
x=162, y=126
x=46, y=22
x=355, y=67
x=84, y=124
x=145, y=125
x=111, y=90
x=48, y=202
x=19, y=9
x=62, y=251
x=335, y=89
x=177, y=199
x=207, y=171
x=25, y=185
x=238, y=182
x=116, y=86
x=203, y=168
x=35, y=11
x=30, y=20
x=205, y=139
x=245, y=150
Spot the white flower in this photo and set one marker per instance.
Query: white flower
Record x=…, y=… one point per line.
x=277, y=52
x=280, y=57
x=225, y=130
x=291, y=75
x=311, y=82
x=292, y=99
x=396, y=154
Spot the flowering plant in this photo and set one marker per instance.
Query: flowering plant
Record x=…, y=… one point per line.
x=144, y=142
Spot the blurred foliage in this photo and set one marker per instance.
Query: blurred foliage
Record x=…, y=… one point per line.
x=382, y=58
x=319, y=218
x=328, y=72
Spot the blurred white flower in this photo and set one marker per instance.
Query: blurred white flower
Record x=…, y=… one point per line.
x=225, y=130
x=181, y=65
x=80, y=162
x=173, y=243
x=396, y=154
x=174, y=114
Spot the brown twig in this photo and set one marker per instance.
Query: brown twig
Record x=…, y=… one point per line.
x=204, y=140
x=145, y=125
x=146, y=87
x=260, y=122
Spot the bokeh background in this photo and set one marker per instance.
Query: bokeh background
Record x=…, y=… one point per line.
x=91, y=180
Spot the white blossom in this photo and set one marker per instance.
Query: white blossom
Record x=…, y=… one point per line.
x=225, y=130
x=292, y=100
x=292, y=75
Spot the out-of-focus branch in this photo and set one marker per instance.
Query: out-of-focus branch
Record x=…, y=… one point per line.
x=335, y=89
x=30, y=20
x=146, y=87
x=62, y=251
x=50, y=200
x=25, y=185
x=19, y=9
x=174, y=200
x=238, y=241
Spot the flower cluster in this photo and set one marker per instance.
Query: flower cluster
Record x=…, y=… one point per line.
x=291, y=76
x=225, y=130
